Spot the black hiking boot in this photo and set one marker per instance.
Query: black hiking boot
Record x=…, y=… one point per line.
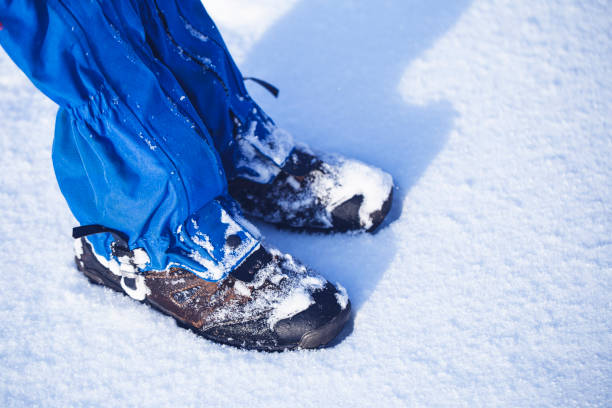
x=318, y=193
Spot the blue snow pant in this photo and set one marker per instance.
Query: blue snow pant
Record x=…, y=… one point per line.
x=154, y=118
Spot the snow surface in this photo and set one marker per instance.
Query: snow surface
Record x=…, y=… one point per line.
x=490, y=287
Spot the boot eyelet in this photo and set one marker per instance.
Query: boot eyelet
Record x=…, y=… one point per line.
x=233, y=241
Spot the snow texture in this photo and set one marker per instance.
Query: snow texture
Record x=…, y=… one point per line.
x=490, y=285
x=278, y=144
x=346, y=178
x=290, y=293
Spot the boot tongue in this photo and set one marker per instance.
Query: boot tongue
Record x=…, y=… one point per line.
x=247, y=270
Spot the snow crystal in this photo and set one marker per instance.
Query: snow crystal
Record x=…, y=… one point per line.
x=217, y=262
x=349, y=178
x=232, y=226
x=276, y=146
x=313, y=282
x=242, y=289
x=203, y=241
x=126, y=266
x=341, y=296
x=214, y=270
x=194, y=32
x=140, y=258
x=78, y=248
x=141, y=290
x=296, y=302
x=250, y=158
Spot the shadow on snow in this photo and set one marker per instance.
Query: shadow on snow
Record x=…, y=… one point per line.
x=339, y=66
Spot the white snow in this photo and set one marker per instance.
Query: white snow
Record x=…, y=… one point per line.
x=192, y=30
x=242, y=289
x=490, y=287
x=342, y=296
x=313, y=282
x=141, y=289
x=297, y=301
x=140, y=258
x=217, y=265
x=289, y=294
x=203, y=241
x=277, y=147
x=214, y=270
x=356, y=178
x=78, y=248
x=253, y=160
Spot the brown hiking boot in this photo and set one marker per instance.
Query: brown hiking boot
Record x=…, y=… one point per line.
x=270, y=302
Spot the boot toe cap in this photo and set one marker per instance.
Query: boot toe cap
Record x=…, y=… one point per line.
x=319, y=323
x=348, y=215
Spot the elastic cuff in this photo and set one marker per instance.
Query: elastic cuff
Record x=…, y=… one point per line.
x=211, y=243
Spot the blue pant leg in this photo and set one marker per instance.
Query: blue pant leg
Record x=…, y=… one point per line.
x=129, y=154
x=185, y=39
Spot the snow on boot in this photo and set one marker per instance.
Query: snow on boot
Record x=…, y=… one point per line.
x=315, y=192
x=270, y=302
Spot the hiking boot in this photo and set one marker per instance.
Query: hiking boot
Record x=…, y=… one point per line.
x=316, y=192
x=270, y=302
